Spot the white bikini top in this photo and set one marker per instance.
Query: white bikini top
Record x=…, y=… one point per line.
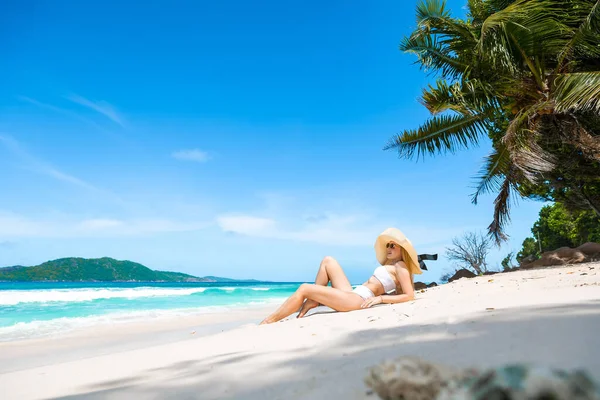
x=383, y=275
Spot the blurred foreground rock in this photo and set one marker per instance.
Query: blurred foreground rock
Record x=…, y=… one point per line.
x=410, y=378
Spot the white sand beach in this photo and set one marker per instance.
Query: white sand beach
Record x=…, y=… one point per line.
x=545, y=316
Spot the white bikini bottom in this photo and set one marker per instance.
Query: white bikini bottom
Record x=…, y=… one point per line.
x=363, y=292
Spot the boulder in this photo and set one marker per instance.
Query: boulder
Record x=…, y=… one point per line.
x=462, y=273
x=490, y=272
x=591, y=250
x=412, y=378
x=587, y=252
x=529, y=259
x=421, y=285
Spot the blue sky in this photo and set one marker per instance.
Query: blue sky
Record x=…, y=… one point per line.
x=239, y=139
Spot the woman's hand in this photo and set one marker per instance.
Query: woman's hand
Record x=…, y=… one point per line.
x=371, y=302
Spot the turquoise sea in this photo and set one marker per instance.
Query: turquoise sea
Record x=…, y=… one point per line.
x=32, y=309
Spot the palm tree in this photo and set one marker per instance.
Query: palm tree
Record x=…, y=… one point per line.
x=525, y=74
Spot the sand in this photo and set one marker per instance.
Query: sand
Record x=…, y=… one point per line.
x=546, y=316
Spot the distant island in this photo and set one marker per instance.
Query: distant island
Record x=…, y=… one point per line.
x=99, y=270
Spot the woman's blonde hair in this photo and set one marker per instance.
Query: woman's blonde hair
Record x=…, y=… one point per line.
x=403, y=257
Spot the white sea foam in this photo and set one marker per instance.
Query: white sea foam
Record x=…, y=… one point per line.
x=13, y=297
x=34, y=329
x=58, y=326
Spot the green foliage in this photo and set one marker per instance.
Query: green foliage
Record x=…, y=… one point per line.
x=81, y=269
x=506, y=263
x=524, y=73
x=557, y=226
x=530, y=248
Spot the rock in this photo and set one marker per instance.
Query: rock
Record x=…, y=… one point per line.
x=462, y=273
x=529, y=259
x=411, y=378
x=591, y=250
x=587, y=252
x=522, y=382
x=421, y=285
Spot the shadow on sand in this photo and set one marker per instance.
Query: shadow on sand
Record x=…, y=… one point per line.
x=561, y=336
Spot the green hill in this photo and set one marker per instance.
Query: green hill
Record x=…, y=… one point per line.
x=96, y=269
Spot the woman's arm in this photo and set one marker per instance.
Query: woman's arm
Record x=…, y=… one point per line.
x=408, y=292
x=396, y=298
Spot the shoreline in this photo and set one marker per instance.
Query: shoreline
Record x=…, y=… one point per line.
x=547, y=316
x=107, y=338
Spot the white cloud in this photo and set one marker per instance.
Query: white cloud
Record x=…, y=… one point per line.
x=93, y=224
x=99, y=106
x=191, y=155
x=40, y=166
x=74, y=115
x=247, y=225
x=12, y=226
x=6, y=244
x=18, y=226
x=333, y=230
x=46, y=106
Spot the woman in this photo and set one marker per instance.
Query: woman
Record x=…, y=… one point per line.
x=399, y=262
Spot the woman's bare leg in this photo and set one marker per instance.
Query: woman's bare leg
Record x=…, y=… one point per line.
x=337, y=299
x=329, y=270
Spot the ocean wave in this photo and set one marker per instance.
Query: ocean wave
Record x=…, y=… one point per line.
x=14, y=297
x=59, y=326
x=238, y=288
x=34, y=329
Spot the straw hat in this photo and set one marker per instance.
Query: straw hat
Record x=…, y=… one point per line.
x=396, y=236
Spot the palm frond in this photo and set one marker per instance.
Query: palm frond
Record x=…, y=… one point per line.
x=579, y=91
x=493, y=6
x=536, y=20
x=521, y=141
x=440, y=134
x=441, y=24
x=477, y=10
x=442, y=97
x=586, y=39
x=502, y=209
x=432, y=55
x=575, y=133
x=592, y=21
x=428, y=9
x=495, y=168
x=468, y=97
x=524, y=31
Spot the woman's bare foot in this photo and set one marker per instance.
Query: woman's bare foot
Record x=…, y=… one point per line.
x=308, y=305
x=268, y=320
